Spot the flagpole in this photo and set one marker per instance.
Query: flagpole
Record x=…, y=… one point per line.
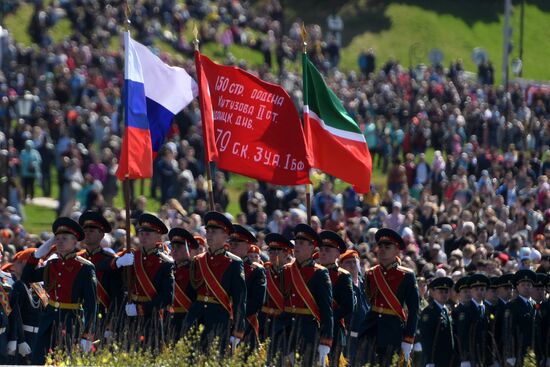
x=206, y=161
x=309, y=187
x=126, y=183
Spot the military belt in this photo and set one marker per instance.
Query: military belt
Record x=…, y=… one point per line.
x=30, y=329
x=208, y=299
x=385, y=311
x=271, y=311
x=136, y=298
x=65, y=306
x=2, y=330
x=178, y=310
x=298, y=310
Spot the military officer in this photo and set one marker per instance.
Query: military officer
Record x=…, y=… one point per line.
x=539, y=296
x=152, y=282
x=109, y=279
x=355, y=322
x=306, y=325
x=217, y=277
x=504, y=291
x=436, y=326
x=181, y=242
x=492, y=305
x=545, y=327
x=473, y=325
x=7, y=346
x=241, y=243
x=519, y=317
x=27, y=301
x=330, y=249
x=279, y=255
x=389, y=286
x=70, y=282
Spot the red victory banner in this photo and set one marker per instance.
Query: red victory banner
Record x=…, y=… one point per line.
x=257, y=127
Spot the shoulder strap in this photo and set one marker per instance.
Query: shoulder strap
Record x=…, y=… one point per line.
x=274, y=292
x=41, y=293
x=387, y=293
x=180, y=298
x=143, y=279
x=303, y=291
x=102, y=295
x=214, y=285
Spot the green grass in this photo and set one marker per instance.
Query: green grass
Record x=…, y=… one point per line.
x=18, y=24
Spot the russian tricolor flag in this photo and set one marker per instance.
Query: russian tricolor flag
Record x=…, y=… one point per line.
x=153, y=94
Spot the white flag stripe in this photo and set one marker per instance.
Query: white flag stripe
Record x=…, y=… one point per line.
x=132, y=65
x=334, y=131
x=161, y=80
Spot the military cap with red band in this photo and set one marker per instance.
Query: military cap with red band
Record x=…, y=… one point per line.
x=182, y=236
x=304, y=232
x=218, y=220
x=241, y=234
x=67, y=225
x=277, y=241
x=253, y=249
x=391, y=236
x=349, y=254
x=151, y=223
x=332, y=239
x=94, y=220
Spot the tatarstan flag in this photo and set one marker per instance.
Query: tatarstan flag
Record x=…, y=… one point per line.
x=334, y=139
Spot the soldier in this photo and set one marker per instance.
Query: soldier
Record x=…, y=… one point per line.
x=217, y=276
x=389, y=286
x=463, y=298
x=355, y=322
x=7, y=346
x=181, y=242
x=436, y=326
x=473, y=325
x=504, y=293
x=279, y=255
x=242, y=242
x=545, y=327
x=492, y=307
x=519, y=317
x=539, y=296
x=27, y=302
x=109, y=279
x=331, y=247
x=152, y=282
x=306, y=325
x=70, y=282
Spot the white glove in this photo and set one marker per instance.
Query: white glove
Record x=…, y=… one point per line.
x=24, y=349
x=465, y=364
x=131, y=309
x=108, y=334
x=234, y=341
x=430, y=365
x=12, y=346
x=125, y=260
x=323, y=350
x=511, y=361
x=406, y=348
x=86, y=345
x=44, y=248
x=417, y=347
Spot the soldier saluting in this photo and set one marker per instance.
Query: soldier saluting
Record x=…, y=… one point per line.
x=217, y=276
x=70, y=282
x=389, y=287
x=436, y=326
x=331, y=247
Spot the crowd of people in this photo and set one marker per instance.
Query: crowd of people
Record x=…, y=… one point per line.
x=479, y=204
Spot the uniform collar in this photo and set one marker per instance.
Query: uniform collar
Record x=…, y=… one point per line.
x=307, y=262
x=393, y=265
x=150, y=251
x=526, y=300
x=94, y=251
x=331, y=267
x=220, y=251
x=439, y=305
x=182, y=263
x=70, y=255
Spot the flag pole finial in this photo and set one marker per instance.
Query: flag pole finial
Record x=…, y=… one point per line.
x=304, y=38
x=127, y=16
x=196, y=35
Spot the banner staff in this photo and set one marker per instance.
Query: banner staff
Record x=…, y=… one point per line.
x=206, y=160
x=126, y=183
x=309, y=187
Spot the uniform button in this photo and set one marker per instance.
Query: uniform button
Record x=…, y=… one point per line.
x=63, y=263
x=211, y=258
x=58, y=273
x=379, y=316
x=205, y=306
x=385, y=273
x=59, y=286
x=293, y=295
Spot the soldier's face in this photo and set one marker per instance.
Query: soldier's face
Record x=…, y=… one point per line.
x=302, y=249
x=328, y=255
x=537, y=293
x=215, y=237
x=351, y=266
x=180, y=252
x=524, y=289
x=505, y=292
x=440, y=295
x=386, y=252
x=66, y=243
x=254, y=257
x=278, y=257
x=93, y=236
x=239, y=248
x=464, y=295
x=478, y=293
x=148, y=239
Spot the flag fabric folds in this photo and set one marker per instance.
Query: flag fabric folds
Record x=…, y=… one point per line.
x=153, y=94
x=334, y=139
x=207, y=112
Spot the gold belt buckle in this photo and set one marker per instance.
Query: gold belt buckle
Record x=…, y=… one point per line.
x=56, y=304
x=205, y=298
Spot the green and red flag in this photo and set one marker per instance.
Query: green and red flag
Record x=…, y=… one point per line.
x=334, y=139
